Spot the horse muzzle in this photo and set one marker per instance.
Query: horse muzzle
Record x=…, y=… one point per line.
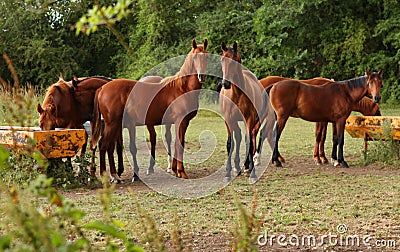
x=376, y=99
x=227, y=84
x=201, y=77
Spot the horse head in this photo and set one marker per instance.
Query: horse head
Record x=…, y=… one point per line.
x=199, y=54
x=375, y=83
x=230, y=61
x=47, y=118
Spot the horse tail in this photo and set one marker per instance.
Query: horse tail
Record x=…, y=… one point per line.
x=264, y=105
x=96, y=122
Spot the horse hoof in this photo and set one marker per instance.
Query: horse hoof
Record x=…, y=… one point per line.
x=183, y=175
x=318, y=163
x=278, y=163
x=150, y=171
x=247, y=171
x=134, y=178
x=114, y=180
x=253, y=180
x=334, y=162
x=344, y=164
x=227, y=179
x=168, y=170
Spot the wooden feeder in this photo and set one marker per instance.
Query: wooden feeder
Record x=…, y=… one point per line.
x=373, y=128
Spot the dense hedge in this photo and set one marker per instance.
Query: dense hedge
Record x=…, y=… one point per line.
x=294, y=38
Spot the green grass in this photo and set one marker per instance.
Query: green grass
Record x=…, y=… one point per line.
x=295, y=200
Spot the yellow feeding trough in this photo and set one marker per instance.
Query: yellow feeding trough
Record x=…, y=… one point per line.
x=51, y=143
x=373, y=128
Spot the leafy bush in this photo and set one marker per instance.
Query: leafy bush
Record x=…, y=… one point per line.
x=54, y=224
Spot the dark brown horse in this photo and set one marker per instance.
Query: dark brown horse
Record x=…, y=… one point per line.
x=241, y=99
x=69, y=104
x=365, y=106
x=147, y=105
x=332, y=102
x=266, y=83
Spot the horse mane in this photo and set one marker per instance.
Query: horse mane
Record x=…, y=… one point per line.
x=186, y=69
x=61, y=86
x=75, y=82
x=356, y=82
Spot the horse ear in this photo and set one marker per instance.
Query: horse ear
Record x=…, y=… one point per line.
x=205, y=44
x=74, y=82
x=368, y=73
x=235, y=46
x=380, y=72
x=40, y=110
x=223, y=47
x=194, y=45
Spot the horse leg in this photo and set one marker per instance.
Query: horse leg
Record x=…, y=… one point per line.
x=92, y=167
x=153, y=137
x=261, y=140
x=168, y=138
x=334, y=145
x=322, y=144
x=263, y=135
x=340, y=129
x=229, y=148
x=278, y=128
x=109, y=146
x=251, y=150
x=180, y=147
x=102, y=153
x=114, y=178
x=120, y=155
x=133, y=150
x=318, y=135
x=237, y=133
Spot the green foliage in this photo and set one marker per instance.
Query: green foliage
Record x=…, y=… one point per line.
x=301, y=39
x=246, y=228
x=53, y=225
x=385, y=151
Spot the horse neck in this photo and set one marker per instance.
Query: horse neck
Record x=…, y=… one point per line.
x=357, y=88
x=188, y=76
x=238, y=82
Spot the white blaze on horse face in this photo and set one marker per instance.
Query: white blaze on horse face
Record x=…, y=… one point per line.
x=200, y=65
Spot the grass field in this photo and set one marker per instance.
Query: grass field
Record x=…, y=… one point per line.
x=300, y=200
x=293, y=204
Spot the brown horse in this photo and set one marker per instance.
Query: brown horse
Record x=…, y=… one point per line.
x=241, y=99
x=69, y=104
x=110, y=102
x=332, y=102
x=365, y=106
x=266, y=83
x=147, y=105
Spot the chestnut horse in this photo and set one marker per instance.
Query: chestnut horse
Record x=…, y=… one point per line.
x=110, y=102
x=365, y=106
x=146, y=105
x=242, y=98
x=332, y=102
x=69, y=104
x=266, y=83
